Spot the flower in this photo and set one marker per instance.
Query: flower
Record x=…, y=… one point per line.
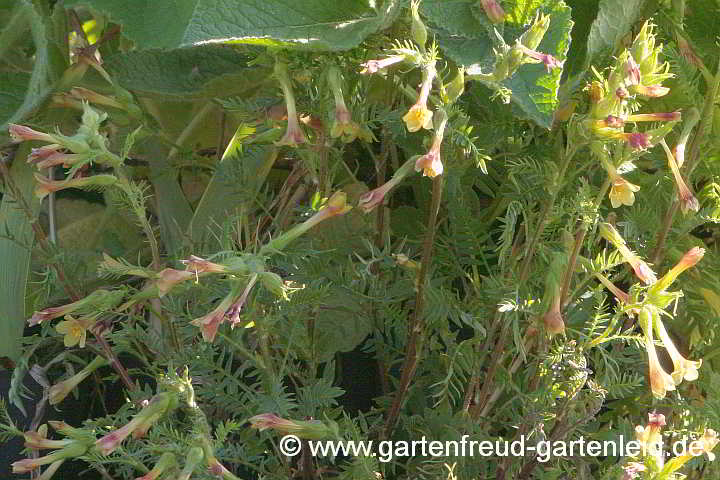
x=60, y=390
x=493, y=10
x=198, y=265
x=632, y=470
x=689, y=260
x=545, y=58
x=641, y=269
x=37, y=441
x=75, y=330
x=687, y=199
x=294, y=134
x=21, y=133
x=373, y=66
x=704, y=444
x=74, y=449
x=158, y=406
x=632, y=71
x=46, y=186
x=169, y=277
x=683, y=368
x=622, y=192
x=166, y=461
x=660, y=381
x=368, y=201
x=650, y=90
x=553, y=320
x=650, y=437
x=419, y=116
x=306, y=429
x=619, y=294
x=430, y=163
x=656, y=117
x=344, y=126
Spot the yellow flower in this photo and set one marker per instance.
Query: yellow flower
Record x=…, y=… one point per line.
x=622, y=192
x=418, y=117
x=75, y=330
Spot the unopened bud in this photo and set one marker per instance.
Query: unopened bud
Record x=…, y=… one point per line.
x=417, y=27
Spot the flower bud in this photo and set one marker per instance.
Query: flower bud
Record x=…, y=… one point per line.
x=45, y=186
x=21, y=133
x=553, y=320
x=417, y=27
x=494, y=11
x=192, y=460
x=534, y=35
x=60, y=390
x=368, y=201
x=305, y=429
x=689, y=260
x=374, y=66
x=199, y=265
x=167, y=278
x=456, y=87
x=166, y=461
x=294, y=134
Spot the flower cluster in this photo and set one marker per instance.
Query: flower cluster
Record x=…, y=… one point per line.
x=637, y=73
x=75, y=445
x=75, y=152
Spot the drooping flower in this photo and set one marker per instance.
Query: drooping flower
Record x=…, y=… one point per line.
x=430, y=164
x=660, y=381
x=75, y=330
x=553, y=320
x=368, y=201
x=641, y=269
x=294, y=134
x=687, y=199
x=650, y=438
x=169, y=277
x=343, y=126
x=199, y=265
x=98, y=298
x=60, y=390
x=158, y=406
x=419, y=116
x=683, y=368
x=619, y=294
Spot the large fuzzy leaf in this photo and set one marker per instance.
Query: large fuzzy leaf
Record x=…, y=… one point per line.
x=323, y=24
x=206, y=71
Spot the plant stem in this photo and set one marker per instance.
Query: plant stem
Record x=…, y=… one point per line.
x=414, y=346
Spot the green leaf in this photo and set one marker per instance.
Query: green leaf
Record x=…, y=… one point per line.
x=207, y=71
x=464, y=38
x=15, y=250
x=234, y=185
x=323, y=24
x=614, y=20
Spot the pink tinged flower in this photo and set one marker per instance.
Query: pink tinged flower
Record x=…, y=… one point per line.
x=38, y=442
x=107, y=444
x=547, y=59
x=682, y=367
x=210, y=323
x=656, y=117
x=60, y=390
x=614, y=122
x=430, y=163
x=638, y=141
x=41, y=153
x=619, y=294
x=200, y=265
x=493, y=10
x=632, y=71
x=21, y=133
x=368, y=201
x=233, y=313
x=650, y=90
x=54, y=312
x=271, y=421
x=643, y=271
x=553, y=320
x=632, y=470
x=73, y=449
x=373, y=66
x=621, y=93
x=687, y=199
x=150, y=413
x=45, y=186
x=169, y=277
x=689, y=260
